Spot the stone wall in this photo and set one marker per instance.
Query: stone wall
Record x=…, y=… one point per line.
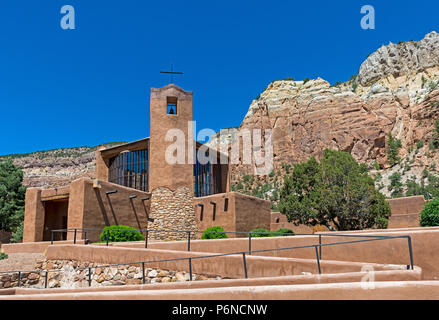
x=74, y=274
x=172, y=210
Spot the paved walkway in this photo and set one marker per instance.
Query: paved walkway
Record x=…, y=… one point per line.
x=20, y=261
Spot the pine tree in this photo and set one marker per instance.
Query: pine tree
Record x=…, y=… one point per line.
x=393, y=150
x=12, y=194
x=335, y=192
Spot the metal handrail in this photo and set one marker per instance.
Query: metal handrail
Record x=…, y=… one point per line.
x=243, y=253
x=317, y=248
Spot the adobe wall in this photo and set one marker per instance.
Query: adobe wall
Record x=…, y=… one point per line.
x=226, y=266
x=251, y=212
x=91, y=207
x=405, y=211
x=279, y=220
x=399, y=290
x=33, y=216
x=172, y=210
x=406, y=205
x=234, y=212
x=225, y=212
x=425, y=242
x=393, y=275
x=161, y=173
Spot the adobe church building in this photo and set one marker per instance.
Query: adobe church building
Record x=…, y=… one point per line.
x=136, y=186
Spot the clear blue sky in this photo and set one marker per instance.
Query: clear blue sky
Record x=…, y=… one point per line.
x=66, y=88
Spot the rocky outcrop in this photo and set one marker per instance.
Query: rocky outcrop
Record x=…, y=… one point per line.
x=396, y=91
x=402, y=59
x=58, y=167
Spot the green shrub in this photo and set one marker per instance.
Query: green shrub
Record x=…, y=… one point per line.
x=17, y=236
x=121, y=233
x=3, y=256
x=260, y=232
x=430, y=214
x=214, y=233
x=279, y=232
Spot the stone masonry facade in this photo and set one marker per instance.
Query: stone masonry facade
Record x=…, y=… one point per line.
x=74, y=274
x=172, y=210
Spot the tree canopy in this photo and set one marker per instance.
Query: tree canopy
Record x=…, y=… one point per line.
x=12, y=194
x=336, y=192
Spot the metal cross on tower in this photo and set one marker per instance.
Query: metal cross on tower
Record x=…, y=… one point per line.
x=171, y=72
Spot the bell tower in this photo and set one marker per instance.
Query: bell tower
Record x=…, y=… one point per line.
x=171, y=132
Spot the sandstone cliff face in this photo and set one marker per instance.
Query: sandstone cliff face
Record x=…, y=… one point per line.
x=395, y=91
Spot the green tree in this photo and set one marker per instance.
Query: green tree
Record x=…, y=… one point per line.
x=337, y=191
x=395, y=185
x=393, y=150
x=430, y=214
x=12, y=194
x=434, y=143
x=414, y=188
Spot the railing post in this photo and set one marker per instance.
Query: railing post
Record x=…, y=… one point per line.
x=245, y=265
x=250, y=243
x=188, y=241
x=190, y=269
x=107, y=236
x=318, y=260
x=146, y=239
x=320, y=246
x=19, y=279
x=45, y=279
x=409, y=240
x=74, y=237
x=143, y=273
x=89, y=276
x=51, y=237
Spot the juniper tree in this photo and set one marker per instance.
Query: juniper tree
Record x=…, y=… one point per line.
x=12, y=194
x=393, y=150
x=337, y=191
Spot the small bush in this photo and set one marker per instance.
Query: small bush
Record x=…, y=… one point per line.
x=17, y=236
x=3, y=256
x=214, y=233
x=279, y=233
x=121, y=233
x=260, y=232
x=430, y=214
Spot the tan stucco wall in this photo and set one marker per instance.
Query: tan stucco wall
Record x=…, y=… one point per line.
x=33, y=216
x=425, y=242
x=398, y=290
x=88, y=207
x=226, y=266
x=405, y=211
x=393, y=275
x=161, y=173
x=92, y=208
x=244, y=213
